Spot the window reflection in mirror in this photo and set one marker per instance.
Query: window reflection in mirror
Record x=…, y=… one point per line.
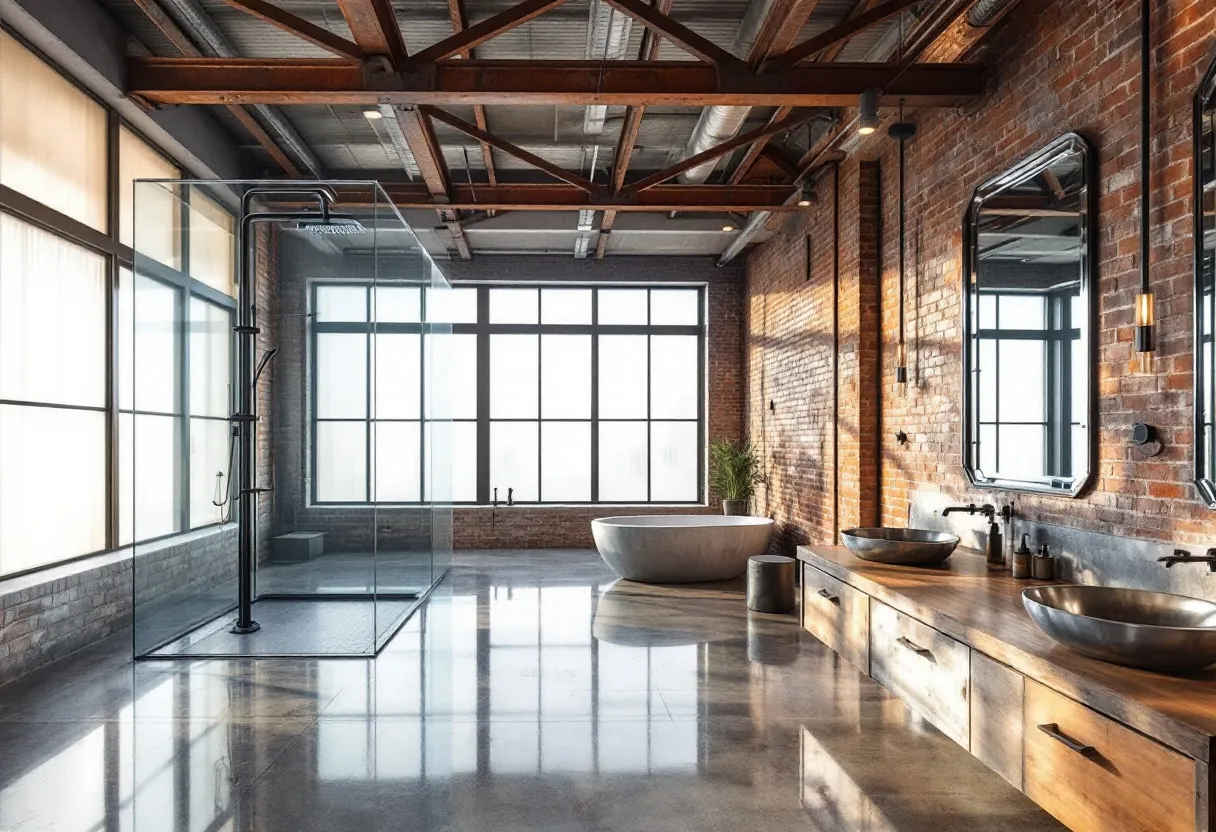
x=1205, y=269
x=1027, y=384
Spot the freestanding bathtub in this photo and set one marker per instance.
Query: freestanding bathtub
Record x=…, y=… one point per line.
x=681, y=548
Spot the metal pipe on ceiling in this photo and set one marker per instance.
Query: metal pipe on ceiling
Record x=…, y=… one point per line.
x=719, y=124
x=607, y=40
x=199, y=26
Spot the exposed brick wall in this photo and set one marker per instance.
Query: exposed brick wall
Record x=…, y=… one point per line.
x=1056, y=67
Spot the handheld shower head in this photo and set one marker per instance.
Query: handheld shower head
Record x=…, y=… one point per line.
x=335, y=225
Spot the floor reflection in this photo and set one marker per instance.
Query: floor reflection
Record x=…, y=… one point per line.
x=531, y=692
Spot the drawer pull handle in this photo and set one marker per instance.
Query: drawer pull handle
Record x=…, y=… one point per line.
x=1052, y=730
x=923, y=652
x=823, y=593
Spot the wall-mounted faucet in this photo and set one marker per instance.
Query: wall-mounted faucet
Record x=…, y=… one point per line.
x=995, y=550
x=510, y=496
x=1183, y=556
x=495, y=498
x=986, y=509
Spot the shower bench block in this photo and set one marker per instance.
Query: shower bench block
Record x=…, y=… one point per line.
x=297, y=547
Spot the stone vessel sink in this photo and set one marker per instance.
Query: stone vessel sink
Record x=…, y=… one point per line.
x=903, y=547
x=1131, y=627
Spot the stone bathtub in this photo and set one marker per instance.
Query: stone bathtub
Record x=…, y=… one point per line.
x=678, y=549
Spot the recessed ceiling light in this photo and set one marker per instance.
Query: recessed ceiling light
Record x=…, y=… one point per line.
x=804, y=203
x=373, y=114
x=728, y=227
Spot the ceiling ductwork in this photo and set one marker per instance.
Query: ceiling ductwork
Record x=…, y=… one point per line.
x=607, y=39
x=201, y=29
x=720, y=124
x=985, y=12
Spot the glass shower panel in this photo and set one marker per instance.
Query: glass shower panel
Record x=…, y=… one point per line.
x=303, y=517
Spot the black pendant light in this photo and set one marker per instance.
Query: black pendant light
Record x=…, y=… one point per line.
x=901, y=131
x=1146, y=317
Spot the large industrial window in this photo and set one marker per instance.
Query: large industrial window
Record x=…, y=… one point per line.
x=1026, y=429
x=557, y=394
x=89, y=352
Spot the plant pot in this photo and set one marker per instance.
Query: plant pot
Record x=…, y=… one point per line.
x=734, y=508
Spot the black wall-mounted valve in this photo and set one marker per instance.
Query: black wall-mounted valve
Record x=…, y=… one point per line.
x=1145, y=440
x=772, y=406
x=901, y=437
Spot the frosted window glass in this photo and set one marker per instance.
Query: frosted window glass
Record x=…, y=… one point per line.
x=1080, y=451
x=673, y=377
x=1022, y=451
x=341, y=375
x=623, y=455
x=987, y=380
x=674, y=307
x=1023, y=312
x=987, y=311
x=451, y=306
x=622, y=306
x=209, y=456
x=565, y=376
x=398, y=362
x=513, y=306
x=988, y=449
x=398, y=459
x=513, y=376
x=343, y=304
x=156, y=345
x=513, y=457
x=1022, y=385
x=623, y=376
x=452, y=465
x=673, y=461
x=565, y=306
x=452, y=391
x=52, y=137
x=52, y=318
x=210, y=359
x=341, y=462
x=397, y=304
x=1080, y=383
x=52, y=485
x=565, y=461
x=212, y=243
x=157, y=459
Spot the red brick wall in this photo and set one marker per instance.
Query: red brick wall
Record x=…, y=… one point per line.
x=523, y=527
x=1056, y=67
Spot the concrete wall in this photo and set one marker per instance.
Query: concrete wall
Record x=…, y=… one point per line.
x=1055, y=68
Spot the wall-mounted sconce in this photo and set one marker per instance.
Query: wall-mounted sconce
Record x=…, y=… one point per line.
x=901, y=131
x=1146, y=317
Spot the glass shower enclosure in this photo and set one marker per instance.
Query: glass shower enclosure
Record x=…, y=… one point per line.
x=284, y=426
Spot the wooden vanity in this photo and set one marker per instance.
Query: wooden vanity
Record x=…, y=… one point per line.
x=1100, y=747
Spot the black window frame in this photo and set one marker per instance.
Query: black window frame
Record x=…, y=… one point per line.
x=117, y=256
x=482, y=329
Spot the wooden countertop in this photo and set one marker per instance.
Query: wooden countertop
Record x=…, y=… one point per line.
x=983, y=609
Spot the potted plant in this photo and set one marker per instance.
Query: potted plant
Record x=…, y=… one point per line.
x=734, y=471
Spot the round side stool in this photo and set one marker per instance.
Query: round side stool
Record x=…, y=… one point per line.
x=770, y=583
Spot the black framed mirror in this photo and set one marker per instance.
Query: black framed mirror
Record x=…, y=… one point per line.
x=1205, y=296
x=1029, y=255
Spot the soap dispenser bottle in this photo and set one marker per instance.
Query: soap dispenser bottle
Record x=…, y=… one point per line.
x=995, y=554
x=1021, y=559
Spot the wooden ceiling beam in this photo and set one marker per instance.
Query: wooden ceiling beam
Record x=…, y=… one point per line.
x=479, y=33
x=563, y=197
x=716, y=151
x=289, y=81
x=298, y=26
x=688, y=40
x=813, y=46
x=456, y=14
x=507, y=147
x=186, y=47
x=373, y=25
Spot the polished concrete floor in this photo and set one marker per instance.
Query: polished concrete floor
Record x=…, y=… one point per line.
x=530, y=693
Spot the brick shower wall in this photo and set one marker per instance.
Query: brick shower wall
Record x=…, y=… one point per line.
x=1055, y=68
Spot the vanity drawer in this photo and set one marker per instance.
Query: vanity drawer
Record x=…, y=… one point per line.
x=838, y=615
x=928, y=670
x=1091, y=773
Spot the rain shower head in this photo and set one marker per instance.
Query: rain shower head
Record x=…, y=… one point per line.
x=335, y=225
